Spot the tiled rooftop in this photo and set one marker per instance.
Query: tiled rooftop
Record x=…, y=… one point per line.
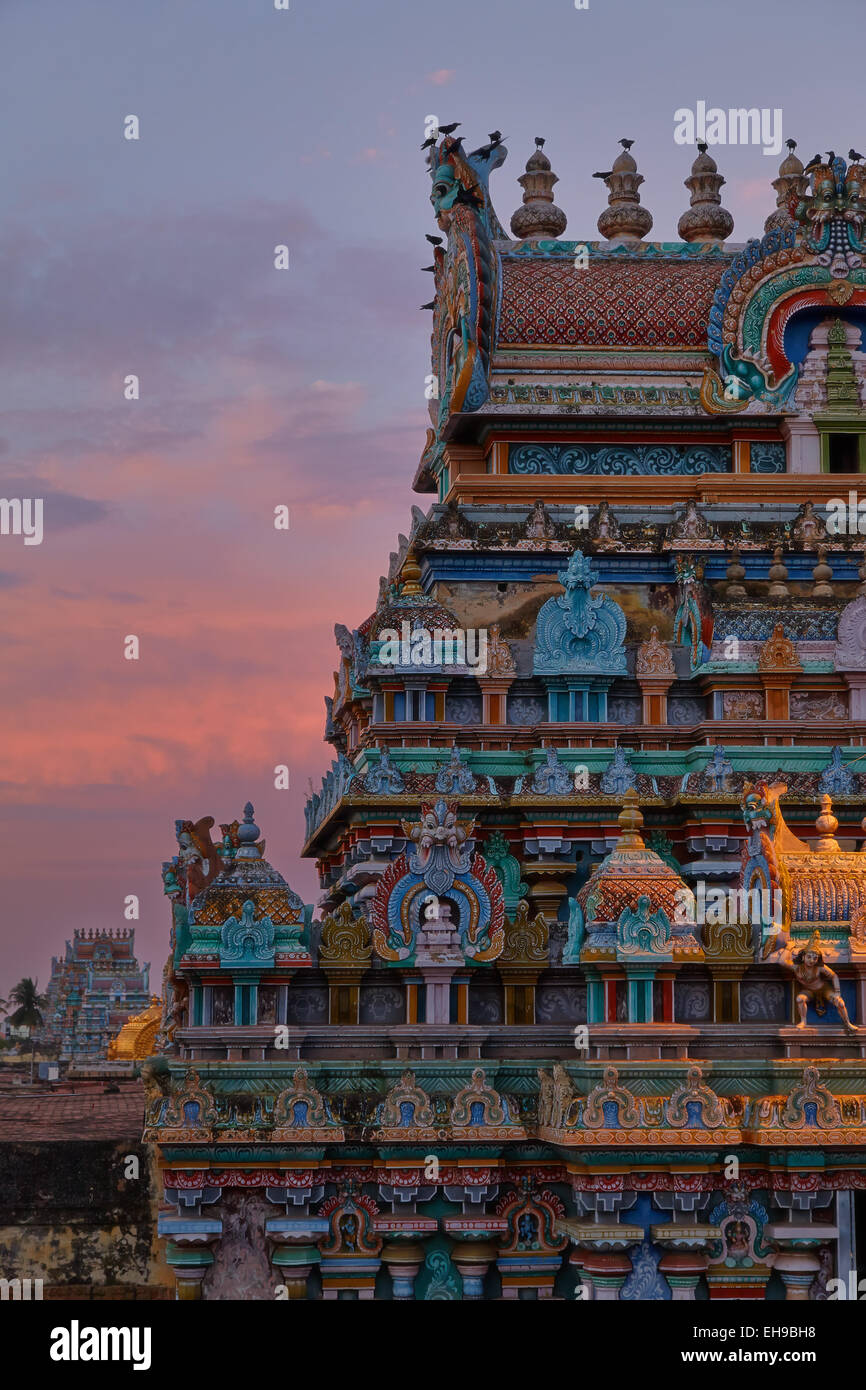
x=85, y=1114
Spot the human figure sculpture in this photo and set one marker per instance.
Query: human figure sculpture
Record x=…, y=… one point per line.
x=816, y=981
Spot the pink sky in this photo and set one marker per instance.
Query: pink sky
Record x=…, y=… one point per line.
x=262, y=387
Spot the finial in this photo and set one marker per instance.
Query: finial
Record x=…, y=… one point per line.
x=539, y=216
x=410, y=576
x=624, y=220
x=706, y=219
x=630, y=820
x=826, y=826
x=778, y=574
x=791, y=182
x=822, y=574
x=248, y=834
x=735, y=574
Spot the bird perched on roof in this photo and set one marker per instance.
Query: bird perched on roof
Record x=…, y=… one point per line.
x=831, y=155
x=432, y=141
x=433, y=240
x=431, y=305
x=702, y=146
x=495, y=138
x=792, y=145
x=626, y=144
x=852, y=154
x=816, y=159
x=449, y=129
x=603, y=176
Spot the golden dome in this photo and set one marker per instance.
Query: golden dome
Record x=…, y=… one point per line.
x=138, y=1034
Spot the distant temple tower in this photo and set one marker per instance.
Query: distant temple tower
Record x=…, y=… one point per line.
x=93, y=990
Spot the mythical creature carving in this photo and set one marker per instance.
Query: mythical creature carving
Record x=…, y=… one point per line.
x=552, y=778
x=610, y=1092
x=301, y=1107
x=694, y=1093
x=654, y=657
x=779, y=653
x=500, y=662
x=850, y=653
x=576, y=632
x=441, y=866
x=837, y=778
x=455, y=775
x=465, y=277
x=406, y=1106
x=812, y=1093
x=619, y=776
x=693, y=621
x=384, y=779
x=642, y=932
x=247, y=941
x=526, y=943
x=507, y=869
x=345, y=938
x=477, y=1104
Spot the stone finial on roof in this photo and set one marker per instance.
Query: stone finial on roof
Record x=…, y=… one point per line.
x=826, y=826
x=410, y=575
x=630, y=821
x=539, y=216
x=624, y=220
x=790, y=180
x=822, y=574
x=705, y=219
x=735, y=574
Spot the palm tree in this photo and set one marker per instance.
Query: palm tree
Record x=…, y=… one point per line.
x=28, y=1013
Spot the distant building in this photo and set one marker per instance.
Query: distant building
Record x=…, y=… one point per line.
x=92, y=992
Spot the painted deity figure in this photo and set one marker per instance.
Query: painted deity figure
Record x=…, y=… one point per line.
x=604, y=527
x=820, y=984
x=807, y=526
x=691, y=525
x=815, y=980
x=538, y=525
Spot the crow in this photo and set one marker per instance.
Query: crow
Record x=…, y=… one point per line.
x=484, y=150
x=428, y=143
x=449, y=129
x=431, y=305
x=626, y=144
x=792, y=145
x=831, y=155
x=812, y=162
x=852, y=154
x=603, y=176
x=433, y=240
x=702, y=146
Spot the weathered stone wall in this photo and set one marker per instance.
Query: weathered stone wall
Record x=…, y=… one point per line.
x=70, y=1216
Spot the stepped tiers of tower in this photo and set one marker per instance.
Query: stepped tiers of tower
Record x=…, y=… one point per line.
x=94, y=988
x=592, y=842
